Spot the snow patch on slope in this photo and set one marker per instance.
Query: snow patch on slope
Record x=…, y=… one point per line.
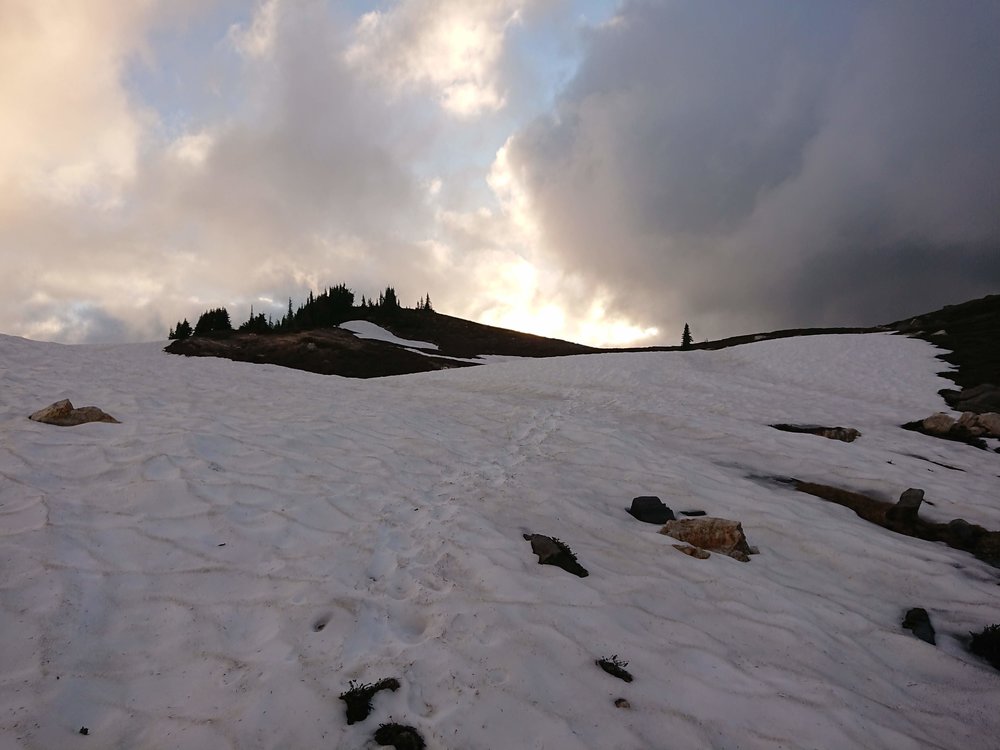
x=363, y=329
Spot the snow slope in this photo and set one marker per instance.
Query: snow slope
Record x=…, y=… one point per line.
x=212, y=572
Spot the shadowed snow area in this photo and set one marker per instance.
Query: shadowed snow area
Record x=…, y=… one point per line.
x=215, y=570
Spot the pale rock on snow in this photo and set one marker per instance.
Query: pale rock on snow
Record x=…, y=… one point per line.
x=63, y=414
x=214, y=571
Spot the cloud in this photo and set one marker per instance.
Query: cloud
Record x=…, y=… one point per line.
x=454, y=47
x=308, y=183
x=69, y=133
x=747, y=166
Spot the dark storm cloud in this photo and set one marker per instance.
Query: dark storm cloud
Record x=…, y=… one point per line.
x=749, y=165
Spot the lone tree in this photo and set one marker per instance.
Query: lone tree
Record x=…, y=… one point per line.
x=686, y=337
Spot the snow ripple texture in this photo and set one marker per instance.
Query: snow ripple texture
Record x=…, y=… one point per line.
x=214, y=570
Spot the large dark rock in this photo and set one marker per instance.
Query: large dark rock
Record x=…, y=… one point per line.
x=905, y=510
x=399, y=736
x=980, y=399
x=650, y=509
x=919, y=622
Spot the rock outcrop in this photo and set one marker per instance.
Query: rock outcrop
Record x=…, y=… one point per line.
x=714, y=534
x=902, y=517
x=62, y=414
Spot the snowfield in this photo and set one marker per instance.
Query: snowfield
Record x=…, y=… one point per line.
x=214, y=571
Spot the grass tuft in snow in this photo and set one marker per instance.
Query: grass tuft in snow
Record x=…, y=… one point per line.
x=615, y=667
x=359, y=697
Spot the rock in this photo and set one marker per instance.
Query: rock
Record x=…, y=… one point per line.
x=844, y=434
x=650, y=509
x=919, y=622
x=905, y=510
x=968, y=423
x=622, y=703
x=692, y=513
x=399, y=736
x=990, y=421
x=938, y=424
x=697, y=552
x=963, y=533
x=552, y=551
x=716, y=534
x=980, y=399
x=63, y=414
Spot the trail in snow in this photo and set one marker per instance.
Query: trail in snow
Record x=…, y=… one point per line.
x=213, y=571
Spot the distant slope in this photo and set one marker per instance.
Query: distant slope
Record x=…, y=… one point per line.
x=971, y=331
x=334, y=351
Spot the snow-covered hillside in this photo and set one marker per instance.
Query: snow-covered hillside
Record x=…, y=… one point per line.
x=213, y=571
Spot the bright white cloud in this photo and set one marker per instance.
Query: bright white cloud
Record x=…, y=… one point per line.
x=453, y=46
x=69, y=132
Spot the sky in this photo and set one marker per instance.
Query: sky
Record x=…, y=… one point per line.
x=598, y=171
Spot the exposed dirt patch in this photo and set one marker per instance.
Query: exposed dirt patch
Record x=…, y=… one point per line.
x=902, y=519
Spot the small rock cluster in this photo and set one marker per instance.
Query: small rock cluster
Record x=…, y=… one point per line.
x=969, y=425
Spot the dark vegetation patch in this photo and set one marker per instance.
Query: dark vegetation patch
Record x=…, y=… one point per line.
x=986, y=644
x=552, y=551
x=844, y=434
x=359, y=697
x=399, y=736
x=615, y=667
x=902, y=518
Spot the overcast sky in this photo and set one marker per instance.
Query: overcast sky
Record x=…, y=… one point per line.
x=595, y=170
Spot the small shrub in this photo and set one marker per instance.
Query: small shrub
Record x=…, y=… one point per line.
x=359, y=697
x=987, y=644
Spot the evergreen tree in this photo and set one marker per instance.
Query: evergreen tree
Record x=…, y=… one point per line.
x=686, y=337
x=181, y=332
x=213, y=321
